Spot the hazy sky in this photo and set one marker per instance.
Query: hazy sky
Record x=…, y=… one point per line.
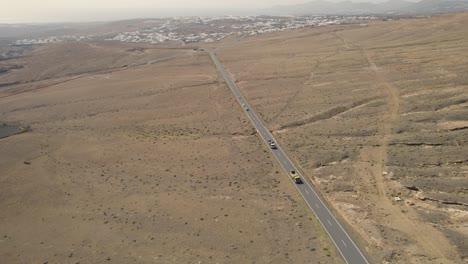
x=8, y=4
x=58, y=10
x=26, y=11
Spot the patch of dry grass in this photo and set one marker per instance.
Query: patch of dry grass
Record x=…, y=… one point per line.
x=156, y=163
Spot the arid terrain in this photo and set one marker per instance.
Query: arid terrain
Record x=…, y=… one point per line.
x=377, y=117
x=153, y=162
x=141, y=154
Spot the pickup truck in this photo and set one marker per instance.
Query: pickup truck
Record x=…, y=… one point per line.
x=296, y=178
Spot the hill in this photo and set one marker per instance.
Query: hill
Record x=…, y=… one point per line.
x=321, y=7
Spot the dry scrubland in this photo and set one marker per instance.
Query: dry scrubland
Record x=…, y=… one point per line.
x=377, y=118
x=138, y=154
x=153, y=162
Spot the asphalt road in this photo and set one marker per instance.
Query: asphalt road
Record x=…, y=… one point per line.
x=338, y=235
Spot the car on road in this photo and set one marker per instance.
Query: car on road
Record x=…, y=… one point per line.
x=296, y=178
x=269, y=141
x=273, y=145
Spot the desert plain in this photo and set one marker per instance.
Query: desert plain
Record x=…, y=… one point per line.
x=138, y=153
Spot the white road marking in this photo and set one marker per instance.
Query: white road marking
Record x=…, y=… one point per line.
x=307, y=192
x=317, y=205
x=329, y=222
x=344, y=243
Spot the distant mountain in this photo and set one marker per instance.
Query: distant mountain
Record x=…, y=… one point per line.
x=439, y=6
x=321, y=7
x=394, y=5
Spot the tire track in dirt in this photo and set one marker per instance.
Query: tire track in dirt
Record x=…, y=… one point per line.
x=385, y=129
x=307, y=81
x=429, y=241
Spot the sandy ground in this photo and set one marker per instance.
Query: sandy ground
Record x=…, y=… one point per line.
x=376, y=118
x=153, y=162
x=139, y=154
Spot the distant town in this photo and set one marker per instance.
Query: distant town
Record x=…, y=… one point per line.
x=206, y=29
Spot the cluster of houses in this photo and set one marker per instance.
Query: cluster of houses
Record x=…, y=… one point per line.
x=156, y=37
x=217, y=28
x=207, y=29
x=53, y=39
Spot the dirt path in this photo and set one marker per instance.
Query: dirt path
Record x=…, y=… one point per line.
x=430, y=242
x=386, y=127
x=306, y=83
